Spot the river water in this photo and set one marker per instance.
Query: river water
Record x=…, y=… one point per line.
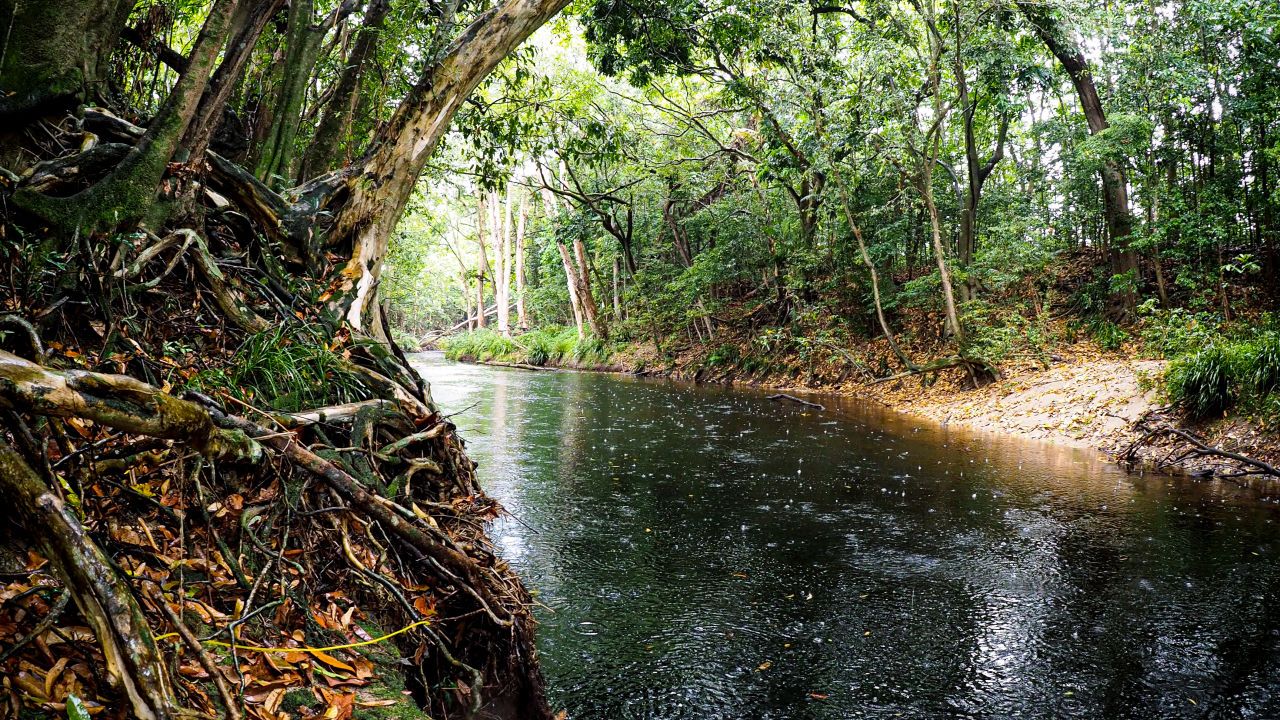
x=707, y=553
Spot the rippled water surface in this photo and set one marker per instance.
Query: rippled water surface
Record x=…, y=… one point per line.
x=708, y=553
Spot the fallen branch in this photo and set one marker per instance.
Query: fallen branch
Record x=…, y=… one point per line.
x=117, y=401
x=1199, y=449
x=793, y=398
x=939, y=365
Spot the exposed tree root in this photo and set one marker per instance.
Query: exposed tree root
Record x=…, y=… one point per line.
x=1188, y=447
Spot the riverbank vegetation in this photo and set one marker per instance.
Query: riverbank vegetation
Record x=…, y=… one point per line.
x=228, y=493
x=819, y=193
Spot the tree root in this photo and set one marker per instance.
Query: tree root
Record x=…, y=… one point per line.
x=132, y=658
x=116, y=401
x=1198, y=449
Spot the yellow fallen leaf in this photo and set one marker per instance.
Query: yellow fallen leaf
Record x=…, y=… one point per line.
x=332, y=661
x=764, y=666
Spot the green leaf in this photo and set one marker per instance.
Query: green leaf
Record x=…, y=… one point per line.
x=76, y=709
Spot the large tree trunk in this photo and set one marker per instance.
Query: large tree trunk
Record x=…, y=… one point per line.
x=302, y=50
x=247, y=24
x=55, y=53
x=571, y=278
x=590, y=310
x=482, y=270
x=335, y=123
x=400, y=152
x=502, y=266
x=551, y=205
x=1115, y=187
x=128, y=193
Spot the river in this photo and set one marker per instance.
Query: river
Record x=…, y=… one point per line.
x=706, y=553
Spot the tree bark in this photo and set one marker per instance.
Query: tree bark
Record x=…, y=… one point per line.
x=302, y=51
x=1115, y=189
x=522, y=313
x=55, y=53
x=400, y=152
x=502, y=267
x=128, y=193
x=339, y=112
x=247, y=24
x=484, y=261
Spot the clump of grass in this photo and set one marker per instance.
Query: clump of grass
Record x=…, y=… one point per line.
x=546, y=346
x=1264, y=364
x=481, y=345
x=272, y=368
x=591, y=351
x=1204, y=383
x=1210, y=381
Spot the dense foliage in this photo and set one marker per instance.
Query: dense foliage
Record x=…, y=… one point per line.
x=979, y=169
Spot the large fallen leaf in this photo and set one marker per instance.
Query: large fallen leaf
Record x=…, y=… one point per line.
x=332, y=661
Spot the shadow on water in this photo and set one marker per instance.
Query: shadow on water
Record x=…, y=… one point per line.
x=710, y=554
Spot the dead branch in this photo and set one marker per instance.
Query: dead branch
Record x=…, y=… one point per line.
x=117, y=401
x=793, y=398
x=1198, y=449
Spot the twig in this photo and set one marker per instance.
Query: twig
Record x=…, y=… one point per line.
x=193, y=643
x=793, y=398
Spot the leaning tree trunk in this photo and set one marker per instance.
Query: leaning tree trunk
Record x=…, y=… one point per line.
x=1115, y=186
x=875, y=276
x=302, y=51
x=335, y=123
x=401, y=151
x=582, y=279
x=247, y=25
x=55, y=53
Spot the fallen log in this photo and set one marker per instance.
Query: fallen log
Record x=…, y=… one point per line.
x=969, y=364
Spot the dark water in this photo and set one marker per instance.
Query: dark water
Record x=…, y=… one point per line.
x=710, y=554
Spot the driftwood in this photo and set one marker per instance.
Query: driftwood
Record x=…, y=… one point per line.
x=793, y=398
x=1198, y=449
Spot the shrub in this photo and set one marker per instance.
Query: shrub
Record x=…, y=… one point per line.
x=1205, y=383
x=591, y=350
x=726, y=354
x=1263, y=365
x=1108, y=335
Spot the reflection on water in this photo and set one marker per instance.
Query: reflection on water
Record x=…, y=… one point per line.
x=710, y=554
